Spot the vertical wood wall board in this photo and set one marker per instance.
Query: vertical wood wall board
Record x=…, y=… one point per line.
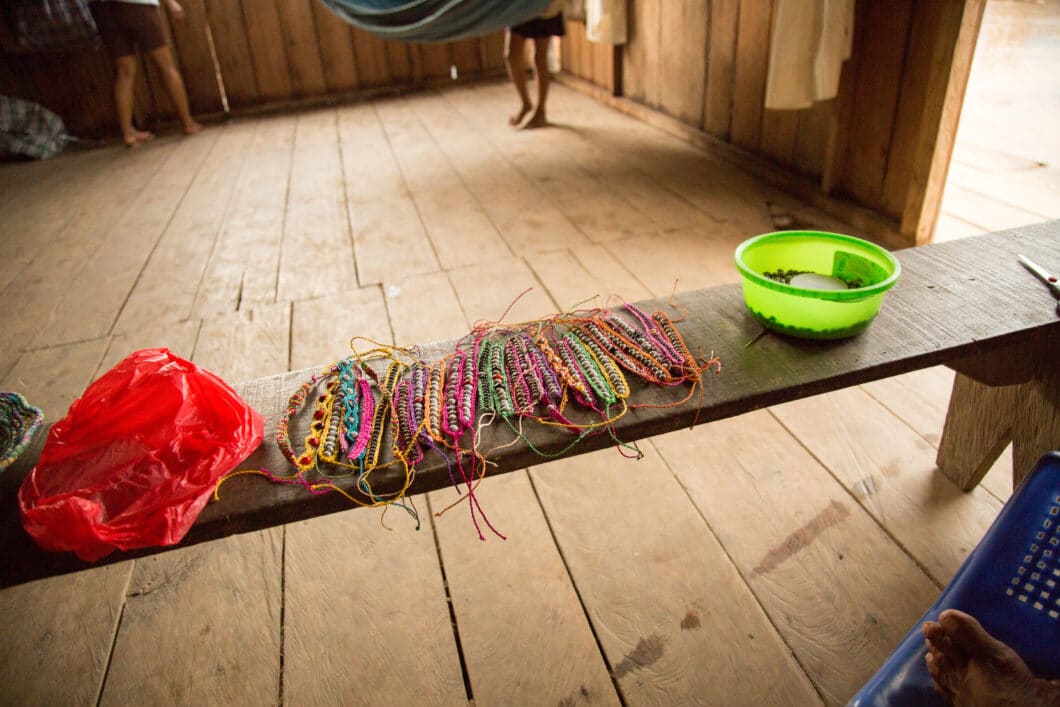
x=370, y=54
x=752, y=62
x=467, y=57
x=303, y=47
x=268, y=52
x=721, y=67
x=232, y=47
x=876, y=98
x=683, y=27
x=336, y=50
x=924, y=33
x=640, y=66
x=951, y=65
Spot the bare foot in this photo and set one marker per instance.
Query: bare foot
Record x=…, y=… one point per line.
x=192, y=128
x=136, y=137
x=971, y=667
x=538, y=120
x=517, y=118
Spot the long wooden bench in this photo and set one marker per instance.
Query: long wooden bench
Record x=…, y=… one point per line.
x=967, y=304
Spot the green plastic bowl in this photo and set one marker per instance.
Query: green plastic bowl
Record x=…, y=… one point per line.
x=814, y=313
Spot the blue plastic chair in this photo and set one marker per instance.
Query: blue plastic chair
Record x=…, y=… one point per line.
x=1010, y=583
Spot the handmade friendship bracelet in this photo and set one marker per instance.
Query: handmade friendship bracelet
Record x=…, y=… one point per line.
x=529, y=372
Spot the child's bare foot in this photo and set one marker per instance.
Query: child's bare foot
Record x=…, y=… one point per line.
x=136, y=137
x=191, y=127
x=538, y=120
x=517, y=118
x=971, y=667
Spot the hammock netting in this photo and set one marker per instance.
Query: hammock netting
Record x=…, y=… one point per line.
x=435, y=20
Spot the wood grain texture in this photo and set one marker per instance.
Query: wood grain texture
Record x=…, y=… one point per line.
x=224, y=599
x=954, y=299
x=640, y=67
x=242, y=267
x=682, y=58
x=538, y=640
x=838, y=590
x=721, y=67
x=56, y=651
x=673, y=642
x=366, y=620
x=876, y=99
x=749, y=79
x=321, y=329
x=978, y=428
x=299, y=37
x=316, y=220
x=169, y=282
x=951, y=65
x=336, y=50
x=232, y=48
x=263, y=23
x=891, y=471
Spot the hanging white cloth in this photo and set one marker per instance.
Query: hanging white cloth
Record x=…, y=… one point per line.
x=605, y=21
x=811, y=40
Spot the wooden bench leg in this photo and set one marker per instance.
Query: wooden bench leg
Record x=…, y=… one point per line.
x=978, y=427
x=998, y=397
x=1036, y=421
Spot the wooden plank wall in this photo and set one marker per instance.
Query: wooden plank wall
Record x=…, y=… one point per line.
x=264, y=52
x=587, y=60
x=704, y=62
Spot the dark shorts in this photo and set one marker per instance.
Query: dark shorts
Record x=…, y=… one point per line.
x=541, y=27
x=125, y=26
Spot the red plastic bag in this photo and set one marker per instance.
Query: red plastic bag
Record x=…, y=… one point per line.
x=136, y=457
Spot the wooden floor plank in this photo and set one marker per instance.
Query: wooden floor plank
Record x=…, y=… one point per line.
x=920, y=399
x=412, y=322
x=207, y=618
x=167, y=287
x=985, y=210
x=317, y=252
x=700, y=635
x=225, y=340
x=321, y=329
x=587, y=277
x=461, y=232
x=53, y=378
x=366, y=618
x=390, y=241
x=97, y=295
x=537, y=640
x=178, y=338
x=840, y=592
x=32, y=297
x=891, y=470
x=505, y=289
x=245, y=260
x=58, y=634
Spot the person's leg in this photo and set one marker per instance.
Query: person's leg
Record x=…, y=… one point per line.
x=971, y=667
x=171, y=79
x=515, y=53
x=539, y=118
x=123, y=100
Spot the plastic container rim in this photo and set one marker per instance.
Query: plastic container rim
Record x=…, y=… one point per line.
x=833, y=295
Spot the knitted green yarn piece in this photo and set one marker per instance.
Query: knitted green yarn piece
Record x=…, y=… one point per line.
x=19, y=421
